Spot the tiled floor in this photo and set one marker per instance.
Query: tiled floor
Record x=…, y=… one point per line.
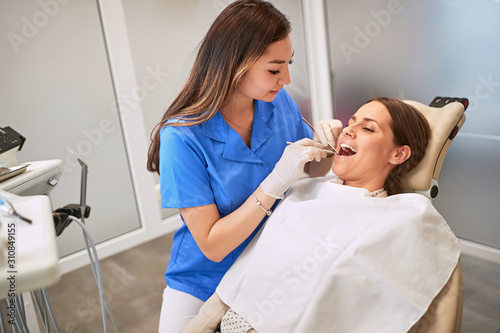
x=481, y=312
x=133, y=283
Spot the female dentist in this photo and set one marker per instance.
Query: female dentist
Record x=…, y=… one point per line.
x=220, y=150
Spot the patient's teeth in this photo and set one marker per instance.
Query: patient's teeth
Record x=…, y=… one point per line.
x=346, y=146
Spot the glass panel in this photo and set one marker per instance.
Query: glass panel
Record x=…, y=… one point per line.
x=56, y=90
x=418, y=50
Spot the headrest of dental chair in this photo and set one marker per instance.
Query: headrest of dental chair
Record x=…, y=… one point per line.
x=445, y=116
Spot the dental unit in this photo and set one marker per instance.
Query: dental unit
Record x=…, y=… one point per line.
x=29, y=227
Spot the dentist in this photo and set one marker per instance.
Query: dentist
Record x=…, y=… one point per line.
x=220, y=150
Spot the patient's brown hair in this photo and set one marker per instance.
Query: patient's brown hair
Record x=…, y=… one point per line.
x=410, y=128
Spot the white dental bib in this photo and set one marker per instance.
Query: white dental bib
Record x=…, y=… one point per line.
x=333, y=259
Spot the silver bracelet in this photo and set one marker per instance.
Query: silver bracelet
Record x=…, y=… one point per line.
x=268, y=212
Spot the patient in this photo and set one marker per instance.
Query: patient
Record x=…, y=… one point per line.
x=347, y=253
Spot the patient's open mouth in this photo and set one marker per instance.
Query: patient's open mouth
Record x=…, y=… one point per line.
x=346, y=150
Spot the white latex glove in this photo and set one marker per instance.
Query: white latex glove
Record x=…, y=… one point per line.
x=327, y=130
x=290, y=166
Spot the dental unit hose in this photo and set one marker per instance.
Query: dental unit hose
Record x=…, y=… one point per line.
x=77, y=214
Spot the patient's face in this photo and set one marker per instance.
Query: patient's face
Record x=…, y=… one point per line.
x=366, y=148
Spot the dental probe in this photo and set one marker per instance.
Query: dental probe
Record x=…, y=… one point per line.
x=330, y=143
x=325, y=150
x=8, y=209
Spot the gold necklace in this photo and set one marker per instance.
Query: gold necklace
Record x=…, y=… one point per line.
x=232, y=122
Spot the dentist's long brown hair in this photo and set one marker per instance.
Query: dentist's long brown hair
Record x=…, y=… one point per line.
x=236, y=40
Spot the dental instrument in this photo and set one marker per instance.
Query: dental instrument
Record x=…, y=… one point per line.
x=328, y=152
x=23, y=194
x=8, y=209
x=89, y=242
x=330, y=143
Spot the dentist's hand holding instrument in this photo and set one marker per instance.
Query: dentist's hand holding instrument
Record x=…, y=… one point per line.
x=290, y=166
x=326, y=131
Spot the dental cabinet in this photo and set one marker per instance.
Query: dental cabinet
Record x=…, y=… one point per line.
x=28, y=253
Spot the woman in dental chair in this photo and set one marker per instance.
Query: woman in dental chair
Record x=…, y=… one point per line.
x=347, y=253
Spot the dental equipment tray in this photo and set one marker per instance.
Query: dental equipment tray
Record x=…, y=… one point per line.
x=9, y=172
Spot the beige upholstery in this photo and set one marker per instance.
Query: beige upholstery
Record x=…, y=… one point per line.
x=209, y=317
x=445, y=313
x=442, y=121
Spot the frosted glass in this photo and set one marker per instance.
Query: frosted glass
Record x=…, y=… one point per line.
x=56, y=90
x=418, y=50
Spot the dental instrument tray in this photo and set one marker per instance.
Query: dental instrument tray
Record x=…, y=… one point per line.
x=9, y=172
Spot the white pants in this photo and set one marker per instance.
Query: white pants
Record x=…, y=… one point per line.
x=176, y=310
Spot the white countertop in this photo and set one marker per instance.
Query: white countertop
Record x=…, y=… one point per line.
x=35, y=261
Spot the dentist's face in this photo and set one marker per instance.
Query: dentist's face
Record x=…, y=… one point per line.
x=269, y=74
x=366, y=147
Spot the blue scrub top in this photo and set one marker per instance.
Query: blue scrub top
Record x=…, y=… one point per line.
x=210, y=163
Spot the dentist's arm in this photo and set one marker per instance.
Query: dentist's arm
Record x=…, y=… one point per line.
x=216, y=236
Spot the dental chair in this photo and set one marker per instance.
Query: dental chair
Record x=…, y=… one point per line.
x=446, y=117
